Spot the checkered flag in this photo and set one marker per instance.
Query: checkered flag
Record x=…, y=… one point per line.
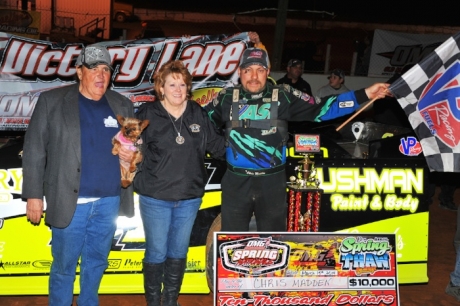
x=429, y=93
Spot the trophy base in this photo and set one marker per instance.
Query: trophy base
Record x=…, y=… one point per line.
x=303, y=208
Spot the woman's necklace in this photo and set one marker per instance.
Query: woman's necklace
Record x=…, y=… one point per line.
x=179, y=139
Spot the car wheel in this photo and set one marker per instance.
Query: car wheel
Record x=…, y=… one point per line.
x=216, y=226
x=120, y=17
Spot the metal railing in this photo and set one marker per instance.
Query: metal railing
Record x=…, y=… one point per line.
x=92, y=31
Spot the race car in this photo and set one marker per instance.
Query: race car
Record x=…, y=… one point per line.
x=382, y=193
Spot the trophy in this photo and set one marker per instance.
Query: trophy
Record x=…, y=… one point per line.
x=304, y=192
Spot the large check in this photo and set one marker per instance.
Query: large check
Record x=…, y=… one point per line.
x=305, y=269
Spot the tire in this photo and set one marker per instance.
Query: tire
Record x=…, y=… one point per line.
x=120, y=17
x=215, y=227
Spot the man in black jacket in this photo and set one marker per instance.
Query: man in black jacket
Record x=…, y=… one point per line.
x=293, y=77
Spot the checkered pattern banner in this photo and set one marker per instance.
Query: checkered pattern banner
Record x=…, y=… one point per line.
x=429, y=93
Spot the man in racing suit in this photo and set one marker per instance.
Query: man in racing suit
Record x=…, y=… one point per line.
x=255, y=115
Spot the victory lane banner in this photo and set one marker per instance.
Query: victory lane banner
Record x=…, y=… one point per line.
x=29, y=67
x=257, y=269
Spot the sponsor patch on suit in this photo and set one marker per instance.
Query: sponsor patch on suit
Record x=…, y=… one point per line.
x=346, y=104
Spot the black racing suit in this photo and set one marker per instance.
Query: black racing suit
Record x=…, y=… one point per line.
x=255, y=180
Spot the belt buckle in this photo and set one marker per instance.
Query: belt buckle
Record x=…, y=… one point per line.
x=246, y=123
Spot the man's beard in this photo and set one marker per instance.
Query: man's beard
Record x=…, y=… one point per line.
x=252, y=91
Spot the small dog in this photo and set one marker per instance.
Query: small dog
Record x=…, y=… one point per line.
x=129, y=137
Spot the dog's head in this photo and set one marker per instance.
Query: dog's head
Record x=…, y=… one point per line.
x=131, y=128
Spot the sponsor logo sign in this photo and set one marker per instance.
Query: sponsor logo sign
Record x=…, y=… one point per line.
x=254, y=256
x=305, y=269
x=391, y=51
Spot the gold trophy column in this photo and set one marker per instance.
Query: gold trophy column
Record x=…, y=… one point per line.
x=304, y=199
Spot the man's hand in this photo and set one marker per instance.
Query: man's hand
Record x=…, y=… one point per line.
x=378, y=91
x=34, y=210
x=125, y=154
x=254, y=38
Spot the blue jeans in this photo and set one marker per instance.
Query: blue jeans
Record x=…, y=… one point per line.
x=167, y=227
x=89, y=235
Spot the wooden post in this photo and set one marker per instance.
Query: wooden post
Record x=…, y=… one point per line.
x=280, y=27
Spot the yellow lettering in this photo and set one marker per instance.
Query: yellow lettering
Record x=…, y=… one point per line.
x=5, y=197
x=392, y=202
x=13, y=176
x=351, y=203
x=376, y=203
x=291, y=153
x=368, y=180
x=16, y=176
x=4, y=178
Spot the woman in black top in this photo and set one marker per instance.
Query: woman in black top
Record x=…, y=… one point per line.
x=172, y=178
